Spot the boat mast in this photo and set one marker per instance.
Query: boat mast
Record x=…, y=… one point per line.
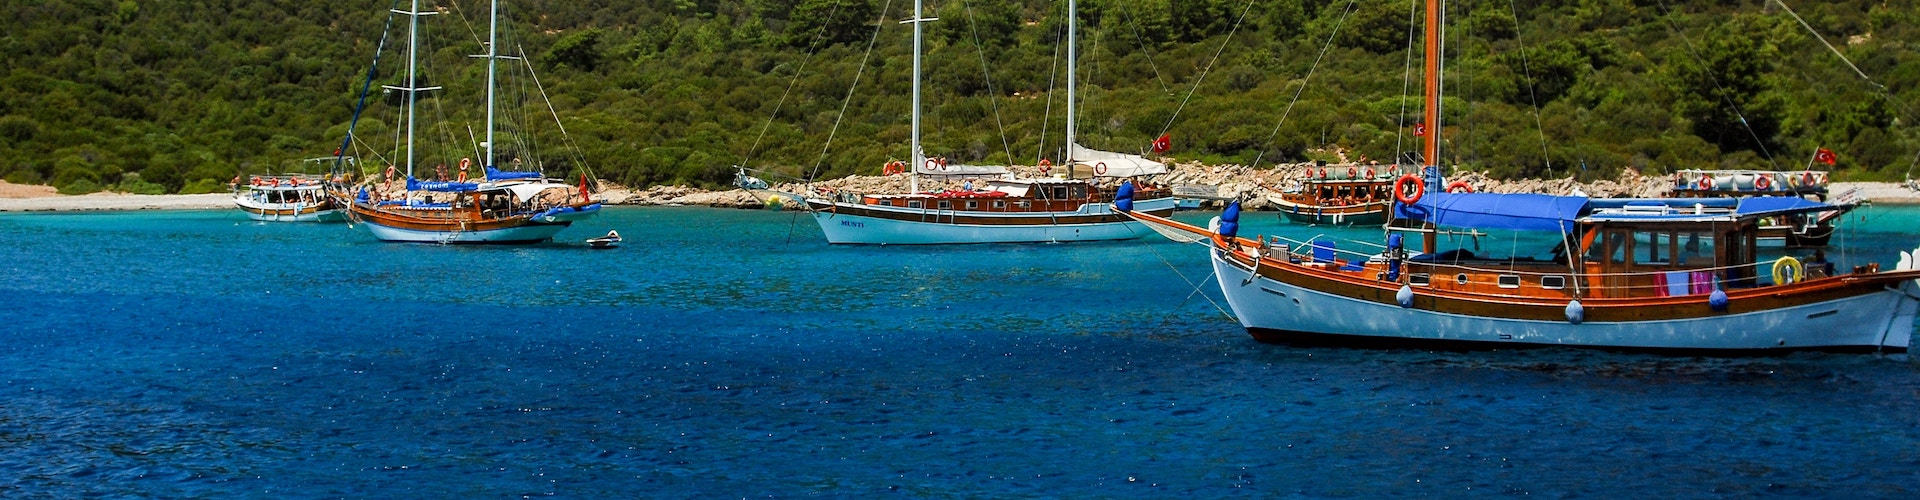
x=1431, y=148
x=413, y=91
x=493, y=20
x=1072, y=28
x=919, y=157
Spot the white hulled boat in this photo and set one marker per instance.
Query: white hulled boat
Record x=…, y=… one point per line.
x=1006, y=210
x=1680, y=275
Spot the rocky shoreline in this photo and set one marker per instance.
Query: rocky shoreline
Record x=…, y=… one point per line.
x=1232, y=181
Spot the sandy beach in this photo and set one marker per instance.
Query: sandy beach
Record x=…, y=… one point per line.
x=32, y=198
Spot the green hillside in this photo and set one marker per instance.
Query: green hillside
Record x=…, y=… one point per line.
x=181, y=96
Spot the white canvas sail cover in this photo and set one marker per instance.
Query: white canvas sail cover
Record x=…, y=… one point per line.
x=937, y=167
x=1111, y=164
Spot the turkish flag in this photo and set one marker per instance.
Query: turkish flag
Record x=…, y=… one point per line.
x=1164, y=143
x=1419, y=129
x=1824, y=155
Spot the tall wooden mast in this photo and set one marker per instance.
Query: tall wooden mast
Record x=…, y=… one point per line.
x=1430, y=150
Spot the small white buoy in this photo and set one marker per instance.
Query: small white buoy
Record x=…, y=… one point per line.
x=1575, y=312
x=1404, y=296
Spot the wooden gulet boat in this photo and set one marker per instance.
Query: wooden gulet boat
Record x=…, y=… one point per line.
x=1006, y=210
x=1657, y=275
x=1339, y=195
x=1645, y=277
x=504, y=207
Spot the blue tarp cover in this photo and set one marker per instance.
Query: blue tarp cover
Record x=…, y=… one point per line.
x=499, y=175
x=1762, y=206
x=1518, y=212
x=440, y=186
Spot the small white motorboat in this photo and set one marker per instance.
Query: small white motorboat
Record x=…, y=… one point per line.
x=609, y=241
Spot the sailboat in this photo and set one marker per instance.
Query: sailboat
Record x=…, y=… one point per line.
x=1055, y=209
x=1651, y=275
x=501, y=207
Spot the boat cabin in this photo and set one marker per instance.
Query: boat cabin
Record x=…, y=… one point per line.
x=1622, y=247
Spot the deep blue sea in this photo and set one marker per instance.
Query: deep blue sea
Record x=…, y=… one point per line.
x=732, y=353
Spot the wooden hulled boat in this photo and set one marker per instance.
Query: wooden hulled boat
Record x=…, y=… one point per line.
x=1660, y=275
x=286, y=198
x=501, y=212
x=1794, y=231
x=501, y=206
x=1644, y=276
x=1339, y=195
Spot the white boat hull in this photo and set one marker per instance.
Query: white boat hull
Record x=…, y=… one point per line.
x=842, y=228
x=1272, y=309
x=533, y=233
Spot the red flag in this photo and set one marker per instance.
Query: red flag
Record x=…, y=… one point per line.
x=1419, y=129
x=1824, y=155
x=1164, y=143
x=585, y=196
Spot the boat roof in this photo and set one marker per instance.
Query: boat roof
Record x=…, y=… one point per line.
x=1540, y=212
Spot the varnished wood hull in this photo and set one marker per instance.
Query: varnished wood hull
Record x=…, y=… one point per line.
x=455, y=226
x=1279, y=301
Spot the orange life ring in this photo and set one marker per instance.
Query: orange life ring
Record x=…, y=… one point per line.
x=943, y=164
x=1323, y=173
x=1353, y=172
x=389, y=173
x=1806, y=179
x=893, y=167
x=1100, y=168
x=1370, y=173
x=1763, y=182
x=1706, y=182
x=1046, y=167
x=1400, y=189
x=1822, y=178
x=464, y=162
x=1459, y=187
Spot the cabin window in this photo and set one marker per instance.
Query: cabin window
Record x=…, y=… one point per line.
x=1460, y=278
x=946, y=205
x=1651, y=248
x=1060, y=192
x=1553, y=282
x=1509, y=281
x=971, y=205
x=999, y=204
x=913, y=204
x=1024, y=204
x=1696, y=250
x=1420, y=279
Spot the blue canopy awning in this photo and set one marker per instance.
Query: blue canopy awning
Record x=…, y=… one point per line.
x=441, y=186
x=501, y=175
x=1517, y=212
x=1764, y=206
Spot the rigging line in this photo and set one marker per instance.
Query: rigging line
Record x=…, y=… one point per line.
x=1183, y=276
x=1406, y=84
x=1348, y=12
x=1007, y=146
x=368, y=86
x=1046, y=118
x=565, y=138
x=469, y=24
x=1125, y=18
x=1210, y=62
x=1884, y=93
x=1673, y=26
x=748, y=158
x=827, y=145
x=1526, y=69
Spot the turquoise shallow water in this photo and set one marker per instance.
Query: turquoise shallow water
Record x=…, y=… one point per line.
x=725, y=353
